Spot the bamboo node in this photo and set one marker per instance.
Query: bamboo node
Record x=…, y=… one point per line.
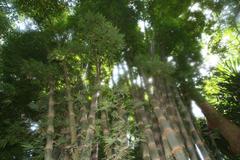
x=167, y=131
x=161, y=118
x=189, y=145
x=199, y=142
x=177, y=149
x=207, y=158
x=192, y=130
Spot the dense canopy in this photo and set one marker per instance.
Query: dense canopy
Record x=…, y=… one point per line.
x=117, y=79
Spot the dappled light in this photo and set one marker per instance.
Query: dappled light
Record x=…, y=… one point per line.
x=119, y=80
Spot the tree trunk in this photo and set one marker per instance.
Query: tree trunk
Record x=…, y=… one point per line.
x=50, y=128
x=228, y=129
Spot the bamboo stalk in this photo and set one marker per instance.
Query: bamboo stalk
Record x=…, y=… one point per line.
x=72, y=123
x=167, y=150
x=88, y=143
x=144, y=146
x=50, y=128
x=145, y=151
x=147, y=130
x=83, y=127
x=173, y=119
x=192, y=130
x=157, y=136
x=177, y=148
x=189, y=143
x=149, y=138
x=179, y=122
x=162, y=144
x=106, y=132
x=94, y=155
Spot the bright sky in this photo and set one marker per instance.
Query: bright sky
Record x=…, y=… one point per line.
x=196, y=110
x=25, y=24
x=209, y=60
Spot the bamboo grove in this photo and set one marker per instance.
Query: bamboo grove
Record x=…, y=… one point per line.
x=97, y=87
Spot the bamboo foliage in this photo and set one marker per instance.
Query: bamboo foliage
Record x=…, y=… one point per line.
x=118, y=142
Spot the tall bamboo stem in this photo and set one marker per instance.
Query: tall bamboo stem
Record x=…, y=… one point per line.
x=106, y=133
x=179, y=122
x=147, y=130
x=177, y=148
x=157, y=136
x=192, y=130
x=86, y=153
x=72, y=123
x=88, y=142
x=83, y=127
x=50, y=128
